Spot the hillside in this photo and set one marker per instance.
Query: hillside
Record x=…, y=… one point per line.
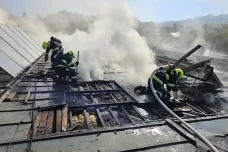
x=209, y=19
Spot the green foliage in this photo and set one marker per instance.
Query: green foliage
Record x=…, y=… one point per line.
x=219, y=36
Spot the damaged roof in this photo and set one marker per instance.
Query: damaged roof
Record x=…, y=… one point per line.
x=107, y=115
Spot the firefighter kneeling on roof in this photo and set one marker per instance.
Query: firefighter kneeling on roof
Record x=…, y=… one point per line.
x=145, y=90
x=165, y=75
x=66, y=67
x=161, y=78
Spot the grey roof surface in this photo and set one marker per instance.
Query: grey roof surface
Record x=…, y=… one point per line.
x=16, y=50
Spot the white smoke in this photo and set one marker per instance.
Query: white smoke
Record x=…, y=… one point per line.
x=109, y=38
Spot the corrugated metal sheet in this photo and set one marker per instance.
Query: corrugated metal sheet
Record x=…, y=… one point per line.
x=17, y=51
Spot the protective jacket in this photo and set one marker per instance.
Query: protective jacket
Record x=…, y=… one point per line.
x=160, y=78
x=172, y=82
x=66, y=61
x=63, y=67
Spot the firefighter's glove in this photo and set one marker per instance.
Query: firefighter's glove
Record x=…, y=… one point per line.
x=77, y=63
x=168, y=95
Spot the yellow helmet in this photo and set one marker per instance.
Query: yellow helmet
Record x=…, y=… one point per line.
x=179, y=73
x=71, y=53
x=169, y=67
x=166, y=67
x=45, y=44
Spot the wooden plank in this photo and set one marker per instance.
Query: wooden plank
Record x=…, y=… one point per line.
x=50, y=122
x=28, y=95
x=88, y=88
x=86, y=118
x=97, y=87
x=114, y=117
x=127, y=114
x=64, y=118
x=11, y=96
x=37, y=123
x=136, y=109
x=71, y=120
x=95, y=101
x=100, y=117
x=194, y=108
x=188, y=114
x=43, y=123
x=113, y=98
x=58, y=120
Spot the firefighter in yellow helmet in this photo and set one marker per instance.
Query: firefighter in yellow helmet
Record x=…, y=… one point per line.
x=161, y=78
x=65, y=66
x=55, y=45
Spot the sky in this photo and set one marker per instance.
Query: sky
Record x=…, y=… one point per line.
x=145, y=10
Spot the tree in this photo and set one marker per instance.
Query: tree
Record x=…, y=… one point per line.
x=24, y=14
x=174, y=28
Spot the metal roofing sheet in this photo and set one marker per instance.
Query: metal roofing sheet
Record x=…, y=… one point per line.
x=9, y=64
x=23, y=38
x=29, y=39
x=13, y=54
x=14, y=132
x=12, y=40
x=111, y=142
x=18, y=39
x=14, y=117
x=17, y=50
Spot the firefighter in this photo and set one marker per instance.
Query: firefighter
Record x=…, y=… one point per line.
x=66, y=67
x=55, y=45
x=165, y=69
x=172, y=82
x=160, y=78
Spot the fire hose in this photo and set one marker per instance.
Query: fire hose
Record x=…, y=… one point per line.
x=201, y=137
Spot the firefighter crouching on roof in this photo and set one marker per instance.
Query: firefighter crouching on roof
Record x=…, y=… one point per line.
x=66, y=67
x=146, y=90
x=55, y=45
x=160, y=78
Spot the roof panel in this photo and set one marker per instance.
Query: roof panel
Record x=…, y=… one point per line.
x=23, y=38
x=14, y=117
x=13, y=54
x=14, y=132
x=14, y=43
x=29, y=39
x=18, y=39
x=9, y=65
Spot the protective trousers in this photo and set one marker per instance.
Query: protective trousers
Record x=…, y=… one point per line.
x=159, y=89
x=63, y=72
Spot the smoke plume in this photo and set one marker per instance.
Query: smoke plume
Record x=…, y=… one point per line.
x=107, y=39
